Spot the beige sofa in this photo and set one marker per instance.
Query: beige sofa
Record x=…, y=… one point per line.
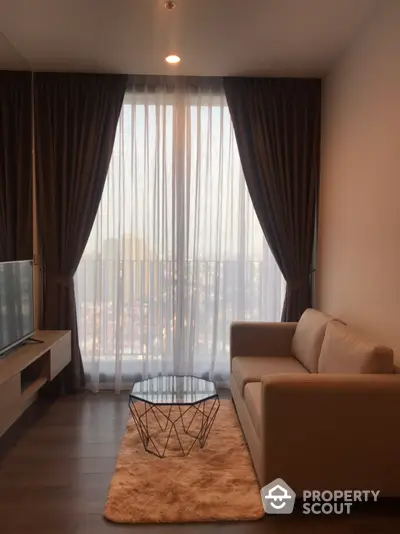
x=319, y=406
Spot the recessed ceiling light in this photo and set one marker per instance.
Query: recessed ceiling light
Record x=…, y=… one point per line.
x=172, y=59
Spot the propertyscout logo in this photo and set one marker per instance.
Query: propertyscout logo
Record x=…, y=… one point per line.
x=279, y=498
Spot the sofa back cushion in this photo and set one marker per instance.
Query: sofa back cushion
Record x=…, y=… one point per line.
x=343, y=351
x=308, y=337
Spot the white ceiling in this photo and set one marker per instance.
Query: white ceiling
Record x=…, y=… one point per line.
x=213, y=37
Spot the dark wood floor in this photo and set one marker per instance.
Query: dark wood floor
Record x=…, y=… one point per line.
x=55, y=478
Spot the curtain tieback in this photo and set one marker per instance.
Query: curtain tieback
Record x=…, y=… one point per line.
x=62, y=280
x=298, y=283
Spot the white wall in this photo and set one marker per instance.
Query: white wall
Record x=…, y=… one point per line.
x=358, y=271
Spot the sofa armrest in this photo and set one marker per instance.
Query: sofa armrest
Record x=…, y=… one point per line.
x=261, y=339
x=327, y=431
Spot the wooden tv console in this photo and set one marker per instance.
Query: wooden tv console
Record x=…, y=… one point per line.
x=27, y=368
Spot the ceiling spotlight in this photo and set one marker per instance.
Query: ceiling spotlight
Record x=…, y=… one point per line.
x=169, y=5
x=172, y=59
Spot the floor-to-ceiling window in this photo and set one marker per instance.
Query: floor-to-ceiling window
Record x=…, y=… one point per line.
x=176, y=252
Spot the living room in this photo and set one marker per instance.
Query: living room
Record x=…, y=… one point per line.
x=198, y=265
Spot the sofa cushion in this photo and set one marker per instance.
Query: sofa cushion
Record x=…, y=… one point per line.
x=252, y=398
x=308, y=337
x=251, y=368
x=343, y=351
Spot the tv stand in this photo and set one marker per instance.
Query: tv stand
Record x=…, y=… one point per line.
x=29, y=367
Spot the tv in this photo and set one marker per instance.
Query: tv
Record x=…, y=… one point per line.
x=16, y=303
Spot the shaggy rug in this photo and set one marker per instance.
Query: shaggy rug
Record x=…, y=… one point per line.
x=216, y=483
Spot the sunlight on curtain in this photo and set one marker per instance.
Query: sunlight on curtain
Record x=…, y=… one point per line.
x=176, y=252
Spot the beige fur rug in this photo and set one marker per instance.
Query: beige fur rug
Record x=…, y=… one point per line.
x=216, y=483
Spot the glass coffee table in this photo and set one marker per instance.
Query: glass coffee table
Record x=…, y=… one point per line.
x=173, y=413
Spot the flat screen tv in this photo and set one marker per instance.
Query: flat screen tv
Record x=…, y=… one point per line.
x=16, y=303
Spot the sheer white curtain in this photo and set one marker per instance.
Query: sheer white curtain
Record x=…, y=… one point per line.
x=176, y=252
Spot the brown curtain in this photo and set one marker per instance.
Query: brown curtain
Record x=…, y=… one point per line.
x=277, y=127
x=76, y=117
x=16, y=229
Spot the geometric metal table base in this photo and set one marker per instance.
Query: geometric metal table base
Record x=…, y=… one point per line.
x=190, y=424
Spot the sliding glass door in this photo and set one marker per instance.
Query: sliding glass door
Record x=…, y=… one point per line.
x=176, y=252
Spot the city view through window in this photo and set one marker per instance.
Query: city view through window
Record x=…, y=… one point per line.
x=176, y=252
